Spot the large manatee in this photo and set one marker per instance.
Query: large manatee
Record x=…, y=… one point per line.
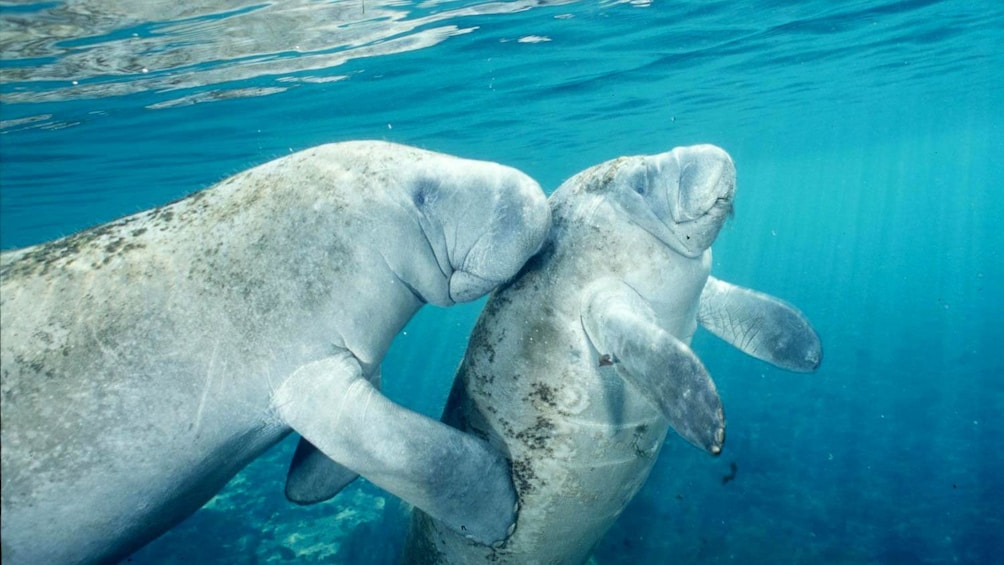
x=146, y=361
x=579, y=367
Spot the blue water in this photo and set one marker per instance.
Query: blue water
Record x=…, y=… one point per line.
x=868, y=142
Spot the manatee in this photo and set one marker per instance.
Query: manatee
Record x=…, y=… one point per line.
x=577, y=369
x=147, y=360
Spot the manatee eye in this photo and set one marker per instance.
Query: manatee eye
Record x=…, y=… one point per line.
x=424, y=191
x=640, y=189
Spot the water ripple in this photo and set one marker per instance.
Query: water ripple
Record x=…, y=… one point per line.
x=98, y=48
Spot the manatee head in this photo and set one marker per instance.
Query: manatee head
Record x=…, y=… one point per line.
x=482, y=221
x=682, y=197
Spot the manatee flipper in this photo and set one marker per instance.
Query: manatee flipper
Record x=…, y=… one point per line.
x=623, y=329
x=454, y=477
x=313, y=477
x=760, y=326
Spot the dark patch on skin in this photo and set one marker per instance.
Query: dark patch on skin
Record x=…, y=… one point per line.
x=639, y=434
x=43, y=336
x=496, y=303
x=538, y=435
x=480, y=340
x=199, y=195
x=423, y=189
x=113, y=246
x=599, y=180
x=507, y=431
x=608, y=360
x=43, y=259
x=163, y=215
x=490, y=352
x=524, y=477
x=542, y=394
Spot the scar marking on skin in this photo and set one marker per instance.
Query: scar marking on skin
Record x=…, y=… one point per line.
x=105, y=350
x=369, y=398
x=268, y=379
x=205, y=389
x=350, y=393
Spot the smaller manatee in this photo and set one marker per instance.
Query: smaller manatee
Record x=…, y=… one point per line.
x=579, y=367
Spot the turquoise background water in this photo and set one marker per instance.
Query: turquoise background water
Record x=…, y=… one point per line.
x=868, y=142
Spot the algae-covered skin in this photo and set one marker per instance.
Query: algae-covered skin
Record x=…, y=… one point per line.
x=146, y=361
x=579, y=367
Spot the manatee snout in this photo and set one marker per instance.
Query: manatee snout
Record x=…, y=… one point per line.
x=707, y=181
x=517, y=222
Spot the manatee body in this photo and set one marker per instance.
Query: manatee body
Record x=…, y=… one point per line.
x=146, y=361
x=578, y=368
